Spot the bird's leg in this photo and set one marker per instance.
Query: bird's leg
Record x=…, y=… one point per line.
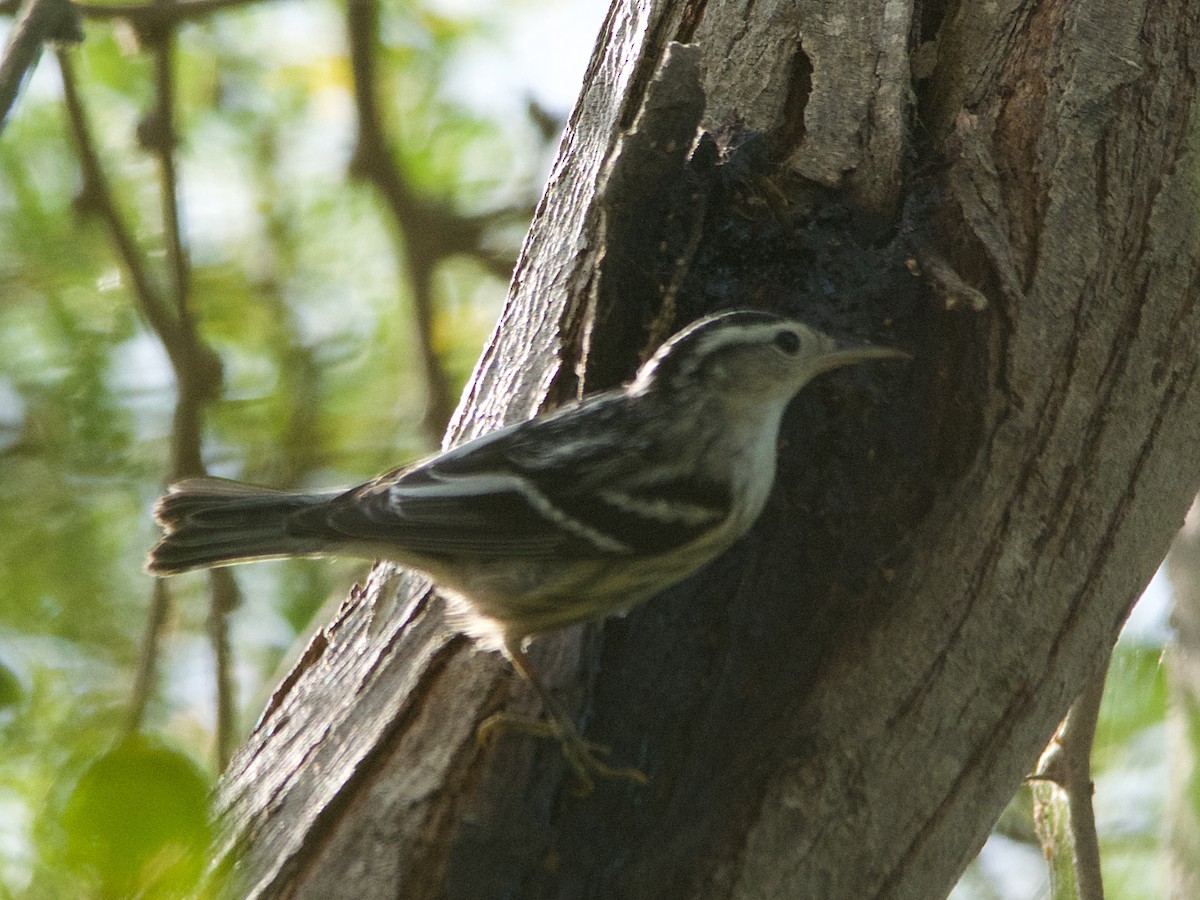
x=581, y=755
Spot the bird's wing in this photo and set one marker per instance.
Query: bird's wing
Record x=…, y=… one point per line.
x=490, y=516
x=519, y=493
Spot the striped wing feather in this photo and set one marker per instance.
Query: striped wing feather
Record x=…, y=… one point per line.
x=517, y=493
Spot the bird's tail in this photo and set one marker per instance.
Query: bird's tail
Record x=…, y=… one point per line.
x=213, y=522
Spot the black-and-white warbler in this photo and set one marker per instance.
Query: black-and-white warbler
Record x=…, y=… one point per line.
x=571, y=516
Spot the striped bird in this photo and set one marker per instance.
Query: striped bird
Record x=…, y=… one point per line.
x=570, y=516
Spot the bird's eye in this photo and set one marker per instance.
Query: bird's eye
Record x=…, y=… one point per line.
x=788, y=342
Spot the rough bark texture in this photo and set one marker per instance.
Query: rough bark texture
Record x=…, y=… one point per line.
x=842, y=705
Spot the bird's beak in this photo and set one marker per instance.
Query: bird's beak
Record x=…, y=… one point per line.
x=850, y=354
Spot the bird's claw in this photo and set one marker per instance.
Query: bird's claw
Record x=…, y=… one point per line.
x=581, y=755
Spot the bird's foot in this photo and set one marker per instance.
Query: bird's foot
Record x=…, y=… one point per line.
x=583, y=756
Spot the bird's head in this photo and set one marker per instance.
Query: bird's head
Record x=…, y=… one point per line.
x=749, y=356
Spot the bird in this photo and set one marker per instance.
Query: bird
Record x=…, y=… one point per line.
x=571, y=516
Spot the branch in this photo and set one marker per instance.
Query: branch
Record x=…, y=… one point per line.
x=196, y=367
x=1067, y=765
x=95, y=196
x=225, y=598
x=157, y=135
x=42, y=20
x=421, y=240
x=428, y=232
x=143, y=682
x=146, y=18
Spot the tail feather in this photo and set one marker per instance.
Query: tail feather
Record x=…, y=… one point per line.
x=212, y=522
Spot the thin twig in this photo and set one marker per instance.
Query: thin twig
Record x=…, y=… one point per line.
x=41, y=21
x=1077, y=741
x=427, y=232
x=143, y=681
x=157, y=133
x=160, y=14
x=158, y=136
x=225, y=598
x=1067, y=764
x=146, y=18
x=197, y=369
x=415, y=231
x=96, y=197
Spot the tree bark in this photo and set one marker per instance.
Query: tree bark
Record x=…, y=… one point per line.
x=842, y=705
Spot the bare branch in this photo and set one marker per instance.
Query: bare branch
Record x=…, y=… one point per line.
x=41, y=21
x=157, y=135
x=197, y=368
x=1066, y=764
x=427, y=231
x=146, y=18
x=95, y=196
x=422, y=240
x=225, y=598
x=143, y=682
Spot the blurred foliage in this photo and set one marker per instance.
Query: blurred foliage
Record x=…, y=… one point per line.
x=1129, y=766
x=297, y=284
x=1130, y=775
x=136, y=822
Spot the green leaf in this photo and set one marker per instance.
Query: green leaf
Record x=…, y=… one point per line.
x=137, y=822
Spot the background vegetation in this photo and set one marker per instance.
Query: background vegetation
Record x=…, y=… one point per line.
x=267, y=240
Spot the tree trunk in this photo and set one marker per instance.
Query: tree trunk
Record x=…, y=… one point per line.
x=842, y=705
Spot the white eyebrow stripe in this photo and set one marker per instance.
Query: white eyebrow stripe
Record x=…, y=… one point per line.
x=469, y=486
